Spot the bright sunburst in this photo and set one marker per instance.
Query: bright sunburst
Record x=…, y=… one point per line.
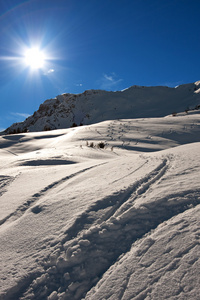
x=34, y=58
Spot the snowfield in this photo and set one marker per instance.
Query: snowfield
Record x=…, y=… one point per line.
x=103, y=211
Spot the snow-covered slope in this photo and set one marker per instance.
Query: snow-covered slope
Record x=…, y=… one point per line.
x=104, y=211
x=94, y=106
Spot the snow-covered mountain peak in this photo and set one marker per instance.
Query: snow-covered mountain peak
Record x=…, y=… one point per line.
x=92, y=106
x=105, y=211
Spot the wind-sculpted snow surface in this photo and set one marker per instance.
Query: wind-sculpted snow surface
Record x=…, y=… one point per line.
x=162, y=265
x=83, y=222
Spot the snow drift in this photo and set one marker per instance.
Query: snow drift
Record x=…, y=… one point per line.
x=103, y=211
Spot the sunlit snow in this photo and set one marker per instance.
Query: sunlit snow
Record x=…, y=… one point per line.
x=103, y=211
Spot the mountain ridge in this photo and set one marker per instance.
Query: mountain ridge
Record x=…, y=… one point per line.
x=92, y=106
x=78, y=221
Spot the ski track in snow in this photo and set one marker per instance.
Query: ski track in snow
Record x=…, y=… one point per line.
x=4, y=182
x=31, y=202
x=81, y=257
x=93, y=244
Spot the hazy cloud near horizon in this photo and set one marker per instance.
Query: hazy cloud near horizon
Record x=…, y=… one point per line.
x=109, y=81
x=24, y=115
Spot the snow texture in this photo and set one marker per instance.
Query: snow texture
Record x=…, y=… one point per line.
x=103, y=211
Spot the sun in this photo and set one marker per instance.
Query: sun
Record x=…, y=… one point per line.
x=34, y=58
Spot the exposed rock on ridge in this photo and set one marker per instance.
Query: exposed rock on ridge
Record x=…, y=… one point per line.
x=93, y=106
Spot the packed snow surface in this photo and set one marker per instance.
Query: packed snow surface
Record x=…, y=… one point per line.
x=103, y=211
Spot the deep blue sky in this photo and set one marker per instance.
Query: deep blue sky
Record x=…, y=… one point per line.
x=94, y=44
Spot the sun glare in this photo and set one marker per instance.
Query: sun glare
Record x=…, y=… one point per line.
x=34, y=58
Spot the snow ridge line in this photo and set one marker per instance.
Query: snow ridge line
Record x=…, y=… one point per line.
x=34, y=198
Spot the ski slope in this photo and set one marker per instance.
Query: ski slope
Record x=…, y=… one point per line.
x=120, y=222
